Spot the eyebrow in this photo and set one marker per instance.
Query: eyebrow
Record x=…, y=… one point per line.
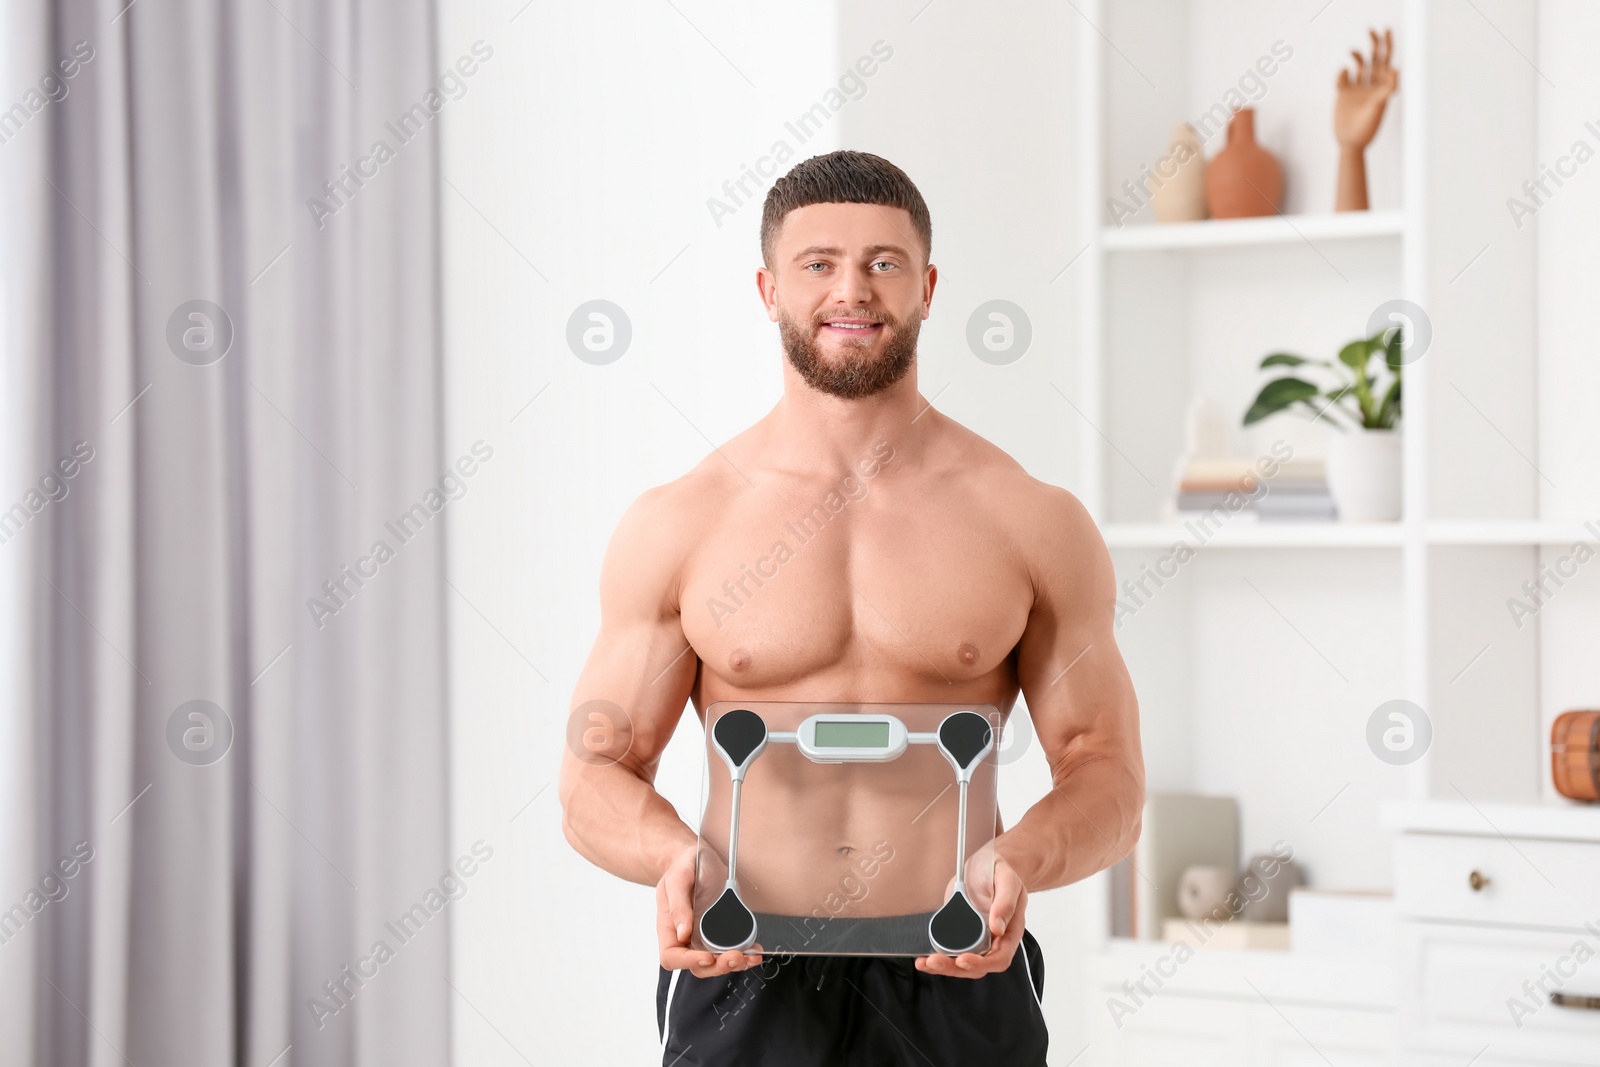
x=871, y=250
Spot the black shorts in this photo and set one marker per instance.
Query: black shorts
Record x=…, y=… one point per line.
x=801, y=1011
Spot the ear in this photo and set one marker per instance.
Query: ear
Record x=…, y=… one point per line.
x=767, y=287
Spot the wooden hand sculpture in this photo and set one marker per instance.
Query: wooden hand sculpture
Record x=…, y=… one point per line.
x=1357, y=111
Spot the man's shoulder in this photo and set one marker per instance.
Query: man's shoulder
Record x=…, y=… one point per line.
x=1007, y=486
x=695, y=495
x=672, y=516
x=658, y=531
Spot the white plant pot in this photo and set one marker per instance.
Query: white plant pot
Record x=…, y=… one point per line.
x=1364, y=474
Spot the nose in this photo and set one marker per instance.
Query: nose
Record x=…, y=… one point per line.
x=852, y=286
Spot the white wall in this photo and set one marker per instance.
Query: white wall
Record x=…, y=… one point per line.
x=589, y=143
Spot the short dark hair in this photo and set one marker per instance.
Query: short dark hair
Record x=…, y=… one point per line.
x=843, y=177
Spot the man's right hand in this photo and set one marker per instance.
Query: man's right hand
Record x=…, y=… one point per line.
x=675, y=923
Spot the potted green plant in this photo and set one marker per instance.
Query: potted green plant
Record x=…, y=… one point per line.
x=1364, y=405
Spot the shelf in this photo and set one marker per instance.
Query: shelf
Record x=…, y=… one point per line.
x=1559, y=821
x=1290, y=534
x=1509, y=532
x=1355, y=982
x=1287, y=534
x=1268, y=230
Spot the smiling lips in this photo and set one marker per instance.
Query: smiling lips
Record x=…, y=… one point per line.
x=852, y=327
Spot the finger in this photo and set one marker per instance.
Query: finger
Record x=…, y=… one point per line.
x=1377, y=50
x=667, y=931
x=1008, y=893
x=710, y=966
x=1388, y=48
x=1344, y=79
x=972, y=965
x=680, y=902
x=1361, y=68
x=1004, y=947
x=997, y=958
x=687, y=959
x=675, y=951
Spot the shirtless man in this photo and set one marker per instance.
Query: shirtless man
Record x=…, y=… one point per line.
x=935, y=570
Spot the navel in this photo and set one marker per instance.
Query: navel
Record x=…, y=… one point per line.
x=967, y=653
x=739, y=659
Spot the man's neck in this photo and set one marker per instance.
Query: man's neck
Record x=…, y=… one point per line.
x=808, y=429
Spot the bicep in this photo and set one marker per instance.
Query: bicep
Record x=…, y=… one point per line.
x=636, y=682
x=1072, y=674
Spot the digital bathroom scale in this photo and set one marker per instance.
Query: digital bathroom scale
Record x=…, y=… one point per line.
x=933, y=750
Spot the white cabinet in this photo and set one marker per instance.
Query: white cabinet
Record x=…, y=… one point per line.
x=1500, y=941
x=1306, y=1036
x=1472, y=988
x=1238, y=1008
x=1173, y=1029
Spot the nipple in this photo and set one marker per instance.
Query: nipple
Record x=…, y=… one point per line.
x=739, y=659
x=967, y=653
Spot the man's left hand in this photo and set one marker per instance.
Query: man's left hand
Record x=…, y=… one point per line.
x=1008, y=904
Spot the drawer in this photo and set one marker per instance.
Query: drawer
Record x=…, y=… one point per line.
x=1229, y=1031
x=1467, y=987
x=1168, y=1029
x=1296, y=1035
x=1521, y=882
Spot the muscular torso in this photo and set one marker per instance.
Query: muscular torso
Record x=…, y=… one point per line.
x=906, y=586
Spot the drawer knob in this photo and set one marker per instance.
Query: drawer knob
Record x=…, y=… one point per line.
x=1477, y=880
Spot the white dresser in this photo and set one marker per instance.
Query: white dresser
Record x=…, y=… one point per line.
x=1495, y=963
x=1233, y=1008
x=1499, y=954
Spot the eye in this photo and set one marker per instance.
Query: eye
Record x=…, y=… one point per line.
x=885, y=263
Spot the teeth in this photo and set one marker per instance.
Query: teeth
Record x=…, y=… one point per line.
x=852, y=325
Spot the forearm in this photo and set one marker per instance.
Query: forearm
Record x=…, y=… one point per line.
x=618, y=822
x=1087, y=822
x=1352, y=191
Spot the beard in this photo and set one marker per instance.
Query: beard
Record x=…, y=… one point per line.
x=856, y=372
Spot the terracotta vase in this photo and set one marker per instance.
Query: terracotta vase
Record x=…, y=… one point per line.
x=1181, y=196
x=1244, y=180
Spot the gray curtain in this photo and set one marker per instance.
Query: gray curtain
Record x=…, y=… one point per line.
x=249, y=790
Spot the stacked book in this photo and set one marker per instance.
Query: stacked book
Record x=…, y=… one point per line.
x=1297, y=489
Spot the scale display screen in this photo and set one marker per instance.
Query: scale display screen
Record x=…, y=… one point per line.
x=836, y=734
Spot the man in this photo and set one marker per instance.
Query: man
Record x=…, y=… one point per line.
x=932, y=569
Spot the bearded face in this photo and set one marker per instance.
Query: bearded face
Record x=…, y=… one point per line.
x=850, y=354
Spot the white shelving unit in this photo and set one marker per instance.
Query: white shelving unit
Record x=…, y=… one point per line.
x=1525, y=533
x=1256, y=535
x=1260, y=659
x=1147, y=331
